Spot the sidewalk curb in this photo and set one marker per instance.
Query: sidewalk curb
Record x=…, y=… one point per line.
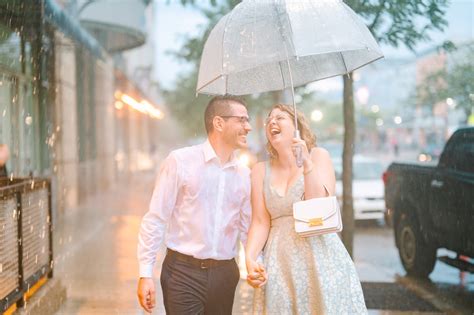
x=46, y=301
x=421, y=290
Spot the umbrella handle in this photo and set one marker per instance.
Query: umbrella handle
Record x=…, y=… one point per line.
x=298, y=152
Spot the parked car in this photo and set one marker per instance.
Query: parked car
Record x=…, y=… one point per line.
x=433, y=207
x=367, y=187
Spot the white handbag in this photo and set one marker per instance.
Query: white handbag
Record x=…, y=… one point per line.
x=317, y=216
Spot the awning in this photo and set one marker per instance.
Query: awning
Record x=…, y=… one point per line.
x=118, y=25
x=69, y=26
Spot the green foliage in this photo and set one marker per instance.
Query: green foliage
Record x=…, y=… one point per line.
x=182, y=101
x=455, y=81
x=406, y=22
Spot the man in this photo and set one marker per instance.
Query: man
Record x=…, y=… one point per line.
x=200, y=203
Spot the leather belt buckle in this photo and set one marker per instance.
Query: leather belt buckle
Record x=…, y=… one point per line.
x=204, y=265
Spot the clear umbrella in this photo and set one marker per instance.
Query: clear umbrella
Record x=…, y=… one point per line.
x=264, y=45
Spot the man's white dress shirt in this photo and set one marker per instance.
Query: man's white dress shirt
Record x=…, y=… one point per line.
x=198, y=207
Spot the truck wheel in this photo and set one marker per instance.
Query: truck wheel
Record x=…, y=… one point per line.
x=417, y=256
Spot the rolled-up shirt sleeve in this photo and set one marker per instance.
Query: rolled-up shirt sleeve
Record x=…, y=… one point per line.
x=245, y=216
x=154, y=223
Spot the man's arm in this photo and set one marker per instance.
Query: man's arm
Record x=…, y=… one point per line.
x=153, y=228
x=245, y=215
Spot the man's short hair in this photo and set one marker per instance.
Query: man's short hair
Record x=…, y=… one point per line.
x=219, y=106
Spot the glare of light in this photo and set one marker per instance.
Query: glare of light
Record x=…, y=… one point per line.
x=143, y=106
x=151, y=110
x=316, y=115
x=241, y=262
x=244, y=159
x=118, y=94
x=118, y=105
x=363, y=95
x=397, y=120
x=379, y=122
x=375, y=108
x=28, y=120
x=450, y=102
x=424, y=157
x=355, y=76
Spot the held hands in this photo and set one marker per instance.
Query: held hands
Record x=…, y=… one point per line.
x=146, y=293
x=257, y=276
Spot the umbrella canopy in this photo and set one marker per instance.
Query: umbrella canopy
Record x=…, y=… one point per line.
x=264, y=45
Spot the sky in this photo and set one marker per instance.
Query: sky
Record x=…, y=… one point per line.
x=173, y=21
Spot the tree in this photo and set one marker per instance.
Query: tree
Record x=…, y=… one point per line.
x=395, y=23
x=185, y=105
x=453, y=81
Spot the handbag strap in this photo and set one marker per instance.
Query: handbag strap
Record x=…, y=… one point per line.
x=325, y=188
x=327, y=191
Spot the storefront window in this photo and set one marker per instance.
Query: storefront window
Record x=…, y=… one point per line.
x=18, y=119
x=10, y=49
x=6, y=88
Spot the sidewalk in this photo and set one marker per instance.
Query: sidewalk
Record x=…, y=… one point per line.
x=95, y=256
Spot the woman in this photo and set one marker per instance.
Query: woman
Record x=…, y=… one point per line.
x=312, y=275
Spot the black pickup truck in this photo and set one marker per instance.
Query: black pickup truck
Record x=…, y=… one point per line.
x=433, y=207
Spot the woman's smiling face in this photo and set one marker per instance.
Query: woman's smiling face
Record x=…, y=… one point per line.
x=279, y=127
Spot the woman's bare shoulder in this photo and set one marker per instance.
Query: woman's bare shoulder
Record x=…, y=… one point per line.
x=320, y=154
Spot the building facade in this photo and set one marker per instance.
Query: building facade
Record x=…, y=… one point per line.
x=68, y=111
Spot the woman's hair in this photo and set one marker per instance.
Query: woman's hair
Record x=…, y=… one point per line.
x=305, y=132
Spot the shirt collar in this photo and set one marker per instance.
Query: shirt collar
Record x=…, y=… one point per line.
x=210, y=154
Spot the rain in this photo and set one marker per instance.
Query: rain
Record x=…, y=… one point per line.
x=94, y=95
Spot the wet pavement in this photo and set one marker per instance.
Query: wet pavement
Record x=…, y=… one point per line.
x=95, y=258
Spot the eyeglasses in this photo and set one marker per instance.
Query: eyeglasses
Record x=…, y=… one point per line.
x=242, y=119
x=276, y=118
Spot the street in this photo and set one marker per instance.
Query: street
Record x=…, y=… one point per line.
x=377, y=260
x=96, y=260
x=94, y=95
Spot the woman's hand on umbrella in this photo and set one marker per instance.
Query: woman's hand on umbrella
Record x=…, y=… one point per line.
x=300, y=143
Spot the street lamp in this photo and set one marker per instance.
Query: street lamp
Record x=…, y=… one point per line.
x=316, y=115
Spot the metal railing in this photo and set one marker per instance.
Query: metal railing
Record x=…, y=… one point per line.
x=26, y=254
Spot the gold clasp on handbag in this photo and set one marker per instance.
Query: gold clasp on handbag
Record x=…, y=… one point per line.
x=316, y=222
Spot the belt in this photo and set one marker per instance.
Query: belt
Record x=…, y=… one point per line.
x=201, y=263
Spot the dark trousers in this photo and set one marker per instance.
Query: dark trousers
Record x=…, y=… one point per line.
x=192, y=286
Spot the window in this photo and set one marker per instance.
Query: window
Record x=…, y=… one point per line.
x=462, y=154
